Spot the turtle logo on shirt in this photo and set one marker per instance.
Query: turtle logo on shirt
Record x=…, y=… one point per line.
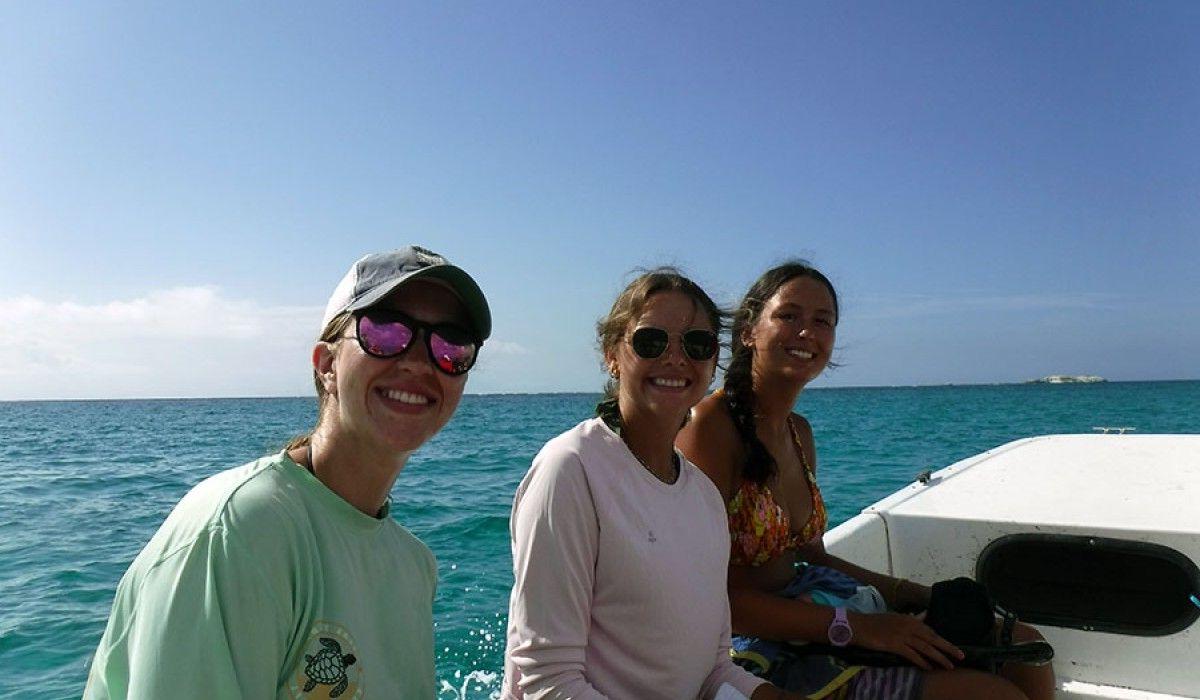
x=328, y=667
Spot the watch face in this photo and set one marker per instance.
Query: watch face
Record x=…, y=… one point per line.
x=839, y=634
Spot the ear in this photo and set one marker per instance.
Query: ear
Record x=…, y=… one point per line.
x=323, y=357
x=610, y=365
x=747, y=337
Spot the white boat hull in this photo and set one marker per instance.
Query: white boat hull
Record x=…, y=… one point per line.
x=1143, y=488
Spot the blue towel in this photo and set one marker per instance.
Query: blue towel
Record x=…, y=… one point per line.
x=823, y=578
x=778, y=662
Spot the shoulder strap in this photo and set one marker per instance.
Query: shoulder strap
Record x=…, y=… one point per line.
x=800, y=448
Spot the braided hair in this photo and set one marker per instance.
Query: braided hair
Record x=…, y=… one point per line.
x=759, y=465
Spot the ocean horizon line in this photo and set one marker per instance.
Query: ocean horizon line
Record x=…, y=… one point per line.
x=575, y=392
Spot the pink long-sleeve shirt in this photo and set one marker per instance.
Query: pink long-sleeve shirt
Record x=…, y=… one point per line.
x=620, y=587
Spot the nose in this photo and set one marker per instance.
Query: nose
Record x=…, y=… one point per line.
x=808, y=326
x=416, y=353
x=674, y=351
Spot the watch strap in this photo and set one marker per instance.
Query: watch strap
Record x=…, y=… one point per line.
x=840, y=632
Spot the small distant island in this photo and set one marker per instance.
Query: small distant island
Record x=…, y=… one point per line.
x=1069, y=379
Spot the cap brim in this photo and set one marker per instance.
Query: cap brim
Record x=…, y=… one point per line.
x=458, y=281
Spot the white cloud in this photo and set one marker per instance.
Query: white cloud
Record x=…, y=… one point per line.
x=182, y=312
x=186, y=341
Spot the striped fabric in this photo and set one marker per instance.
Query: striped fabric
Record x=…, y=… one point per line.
x=886, y=683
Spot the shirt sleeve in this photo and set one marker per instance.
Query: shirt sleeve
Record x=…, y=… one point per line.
x=725, y=671
x=555, y=534
x=201, y=622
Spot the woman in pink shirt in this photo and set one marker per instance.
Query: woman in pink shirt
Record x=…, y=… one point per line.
x=619, y=543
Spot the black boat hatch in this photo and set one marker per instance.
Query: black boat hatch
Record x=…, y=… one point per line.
x=1092, y=583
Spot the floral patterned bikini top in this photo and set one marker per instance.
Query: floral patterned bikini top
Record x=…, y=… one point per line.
x=760, y=528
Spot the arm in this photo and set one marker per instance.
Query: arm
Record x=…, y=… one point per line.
x=554, y=539
x=764, y=614
x=903, y=635
x=201, y=622
x=726, y=672
x=770, y=616
x=710, y=441
x=900, y=594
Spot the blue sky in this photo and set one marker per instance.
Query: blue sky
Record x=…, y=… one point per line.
x=999, y=190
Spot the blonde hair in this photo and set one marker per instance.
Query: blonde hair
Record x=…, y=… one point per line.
x=332, y=333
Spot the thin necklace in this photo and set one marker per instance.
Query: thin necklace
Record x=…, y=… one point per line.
x=674, y=464
x=610, y=413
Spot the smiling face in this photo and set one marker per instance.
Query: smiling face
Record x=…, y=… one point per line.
x=795, y=332
x=395, y=404
x=672, y=383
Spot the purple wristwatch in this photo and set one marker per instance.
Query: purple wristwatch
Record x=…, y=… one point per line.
x=840, y=633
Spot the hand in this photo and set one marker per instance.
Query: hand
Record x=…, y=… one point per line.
x=915, y=595
x=903, y=635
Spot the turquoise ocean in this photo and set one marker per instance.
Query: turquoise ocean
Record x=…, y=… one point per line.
x=86, y=483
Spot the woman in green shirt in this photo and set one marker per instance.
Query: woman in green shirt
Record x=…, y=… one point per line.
x=286, y=577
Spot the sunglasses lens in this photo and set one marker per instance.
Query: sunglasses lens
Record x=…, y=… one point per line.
x=700, y=345
x=382, y=336
x=649, y=343
x=453, y=349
